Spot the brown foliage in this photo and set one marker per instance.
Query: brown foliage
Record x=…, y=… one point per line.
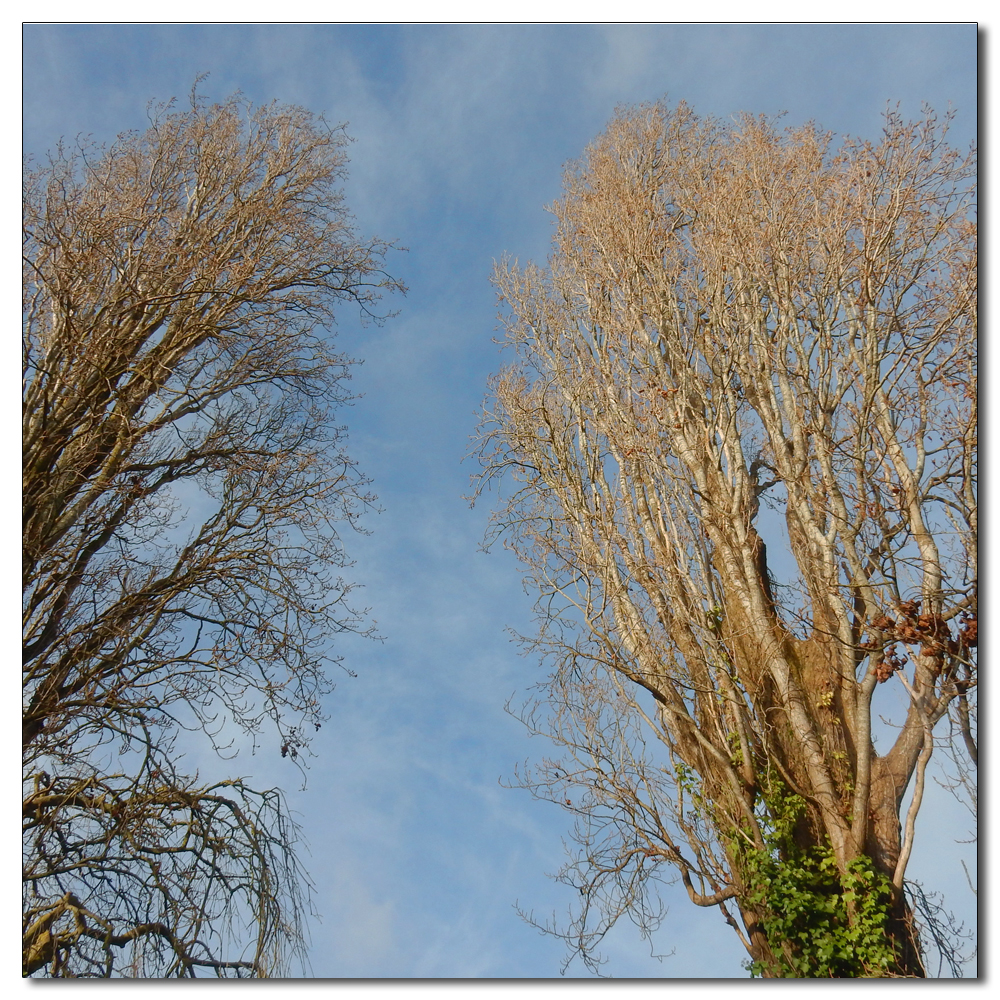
x=182, y=483
x=739, y=439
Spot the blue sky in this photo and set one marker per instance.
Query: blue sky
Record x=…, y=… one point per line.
x=461, y=133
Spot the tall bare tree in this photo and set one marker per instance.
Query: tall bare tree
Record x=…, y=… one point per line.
x=738, y=454
x=183, y=483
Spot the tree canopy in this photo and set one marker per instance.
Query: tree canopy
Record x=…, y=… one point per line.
x=184, y=488
x=737, y=455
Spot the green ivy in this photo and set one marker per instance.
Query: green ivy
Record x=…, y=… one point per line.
x=820, y=923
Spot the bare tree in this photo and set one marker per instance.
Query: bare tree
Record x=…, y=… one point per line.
x=182, y=486
x=738, y=449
